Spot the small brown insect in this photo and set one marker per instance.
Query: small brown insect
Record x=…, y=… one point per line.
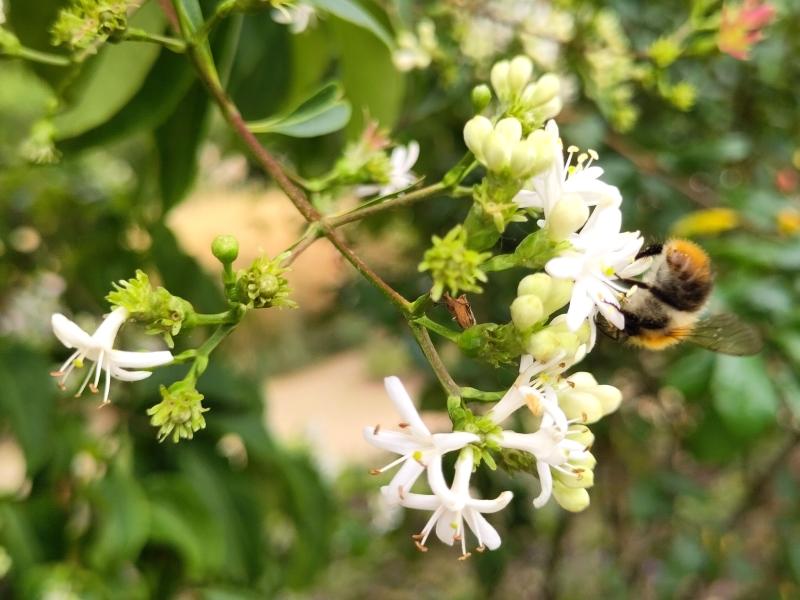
x=460, y=309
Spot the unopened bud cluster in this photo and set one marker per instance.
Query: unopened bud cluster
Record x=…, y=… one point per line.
x=264, y=284
x=453, y=265
x=180, y=413
x=502, y=149
x=532, y=102
x=161, y=312
x=85, y=23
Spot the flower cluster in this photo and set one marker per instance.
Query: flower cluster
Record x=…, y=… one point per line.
x=85, y=24
x=584, y=260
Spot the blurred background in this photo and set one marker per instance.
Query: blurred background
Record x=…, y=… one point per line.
x=698, y=482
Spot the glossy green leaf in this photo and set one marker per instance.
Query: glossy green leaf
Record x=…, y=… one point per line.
x=323, y=112
x=353, y=12
x=743, y=394
x=105, y=92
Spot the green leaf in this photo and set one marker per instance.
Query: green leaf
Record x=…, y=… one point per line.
x=152, y=104
x=371, y=82
x=124, y=523
x=106, y=92
x=352, y=12
x=323, y=112
x=178, y=141
x=743, y=394
x=26, y=402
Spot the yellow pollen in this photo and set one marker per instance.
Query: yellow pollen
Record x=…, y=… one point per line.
x=78, y=362
x=417, y=456
x=534, y=405
x=608, y=271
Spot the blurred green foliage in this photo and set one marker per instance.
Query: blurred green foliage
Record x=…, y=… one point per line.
x=698, y=488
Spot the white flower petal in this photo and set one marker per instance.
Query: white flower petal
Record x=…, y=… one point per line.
x=124, y=375
x=405, y=477
x=141, y=360
x=419, y=501
x=447, y=442
x=447, y=527
x=546, y=481
x=492, y=506
x=68, y=332
x=482, y=529
x=392, y=441
x=402, y=402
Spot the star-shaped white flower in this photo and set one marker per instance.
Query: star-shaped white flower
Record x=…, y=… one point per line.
x=298, y=17
x=600, y=255
x=453, y=506
x=99, y=348
x=553, y=450
x=402, y=159
x=581, y=179
x=417, y=446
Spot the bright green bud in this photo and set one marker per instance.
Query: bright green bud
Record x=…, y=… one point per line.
x=9, y=43
x=496, y=344
x=526, y=311
x=538, y=284
x=161, y=312
x=453, y=265
x=180, y=412
x=87, y=23
x=560, y=294
x=225, y=248
x=664, y=51
x=520, y=70
x=567, y=216
x=476, y=130
x=264, y=284
x=610, y=398
x=571, y=499
x=481, y=97
x=499, y=79
x=682, y=95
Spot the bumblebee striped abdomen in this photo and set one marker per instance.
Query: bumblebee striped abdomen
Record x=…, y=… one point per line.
x=684, y=279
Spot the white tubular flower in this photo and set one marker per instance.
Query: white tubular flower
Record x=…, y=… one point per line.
x=565, y=181
x=298, y=17
x=417, y=446
x=556, y=453
x=599, y=256
x=400, y=174
x=99, y=348
x=535, y=387
x=454, y=506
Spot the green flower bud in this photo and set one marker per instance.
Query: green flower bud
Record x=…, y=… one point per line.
x=476, y=130
x=567, y=216
x=510, y=129
x=180, y=412
x=560, y=294
x=497, y=152
x=581, y=405
x=571, y=499
x=545, y=150
x=520, y=70
x=549, y=109
x=453, y=265
x=582, y=435
x=524, y=159
x=526, y=311
x=87, y=23
x=578, y=479
x=264, y=284
x=538, y=284
x=610, y=398
x=225, y=248
x=496, y=344
x=161, y=312
x=582, y=381
x=664, y=51
x=9, y=43
x=682, y=95
x=481, y=97
x=543, y=346
x=543, y=91
x=499, y=79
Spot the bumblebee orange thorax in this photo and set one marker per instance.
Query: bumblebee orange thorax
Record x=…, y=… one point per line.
x=684, y=255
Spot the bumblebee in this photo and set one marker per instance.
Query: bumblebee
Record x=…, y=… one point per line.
x=666, y=306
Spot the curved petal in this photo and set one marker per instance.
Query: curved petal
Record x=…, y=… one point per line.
x=402, y=402
x=68, y=332
x=447, y=442
x=546, y=480
x=420, y=501
x=463, y=473
x=412, y=154
x=405, y=477
x=124, y=375
x=483, y=530
x=565, y=267
x=492, y=506
x=437, y=482
x=580, y=306
x=140, y=360
x=508, y=404
x=392, y=441
x=447, y=526
x=107, y=332
x=528, y=199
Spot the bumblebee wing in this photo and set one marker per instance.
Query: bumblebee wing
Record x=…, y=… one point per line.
x=727, y=334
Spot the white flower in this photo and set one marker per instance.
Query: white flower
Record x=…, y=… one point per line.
x=99, y=348
x=554, y=451
x=599, y=256
x=417, y=446
x=564, y=179
x=453, y=506
x=297, y=17
x=400, y=174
